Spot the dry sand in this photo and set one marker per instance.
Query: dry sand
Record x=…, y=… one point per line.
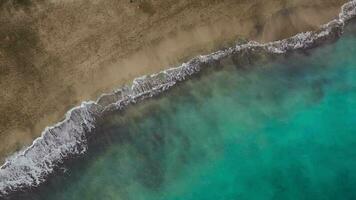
x=56, y=53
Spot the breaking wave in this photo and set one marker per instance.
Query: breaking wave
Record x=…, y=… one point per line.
x=32, y=166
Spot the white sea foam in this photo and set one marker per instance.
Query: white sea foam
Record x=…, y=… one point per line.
x=30, y=167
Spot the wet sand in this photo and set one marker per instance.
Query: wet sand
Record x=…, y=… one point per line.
x=55, y=54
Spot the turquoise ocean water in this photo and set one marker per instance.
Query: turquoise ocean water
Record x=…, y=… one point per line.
x=283, y=130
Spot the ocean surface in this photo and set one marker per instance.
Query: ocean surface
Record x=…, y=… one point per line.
x=282, y=130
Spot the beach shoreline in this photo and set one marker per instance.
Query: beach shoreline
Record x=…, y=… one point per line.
x=49, y=65
x=81, y=120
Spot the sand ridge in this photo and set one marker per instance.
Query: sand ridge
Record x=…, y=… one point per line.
x=55, y=54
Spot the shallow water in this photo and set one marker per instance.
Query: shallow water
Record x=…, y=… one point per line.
x=284, y=130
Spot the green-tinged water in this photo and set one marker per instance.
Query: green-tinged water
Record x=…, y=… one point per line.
x=286, y=130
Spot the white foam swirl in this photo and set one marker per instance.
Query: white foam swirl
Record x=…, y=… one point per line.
x=68, y=138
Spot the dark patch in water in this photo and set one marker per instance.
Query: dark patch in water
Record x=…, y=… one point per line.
x=318, y=90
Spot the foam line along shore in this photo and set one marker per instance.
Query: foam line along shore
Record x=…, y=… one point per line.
x=68, y=138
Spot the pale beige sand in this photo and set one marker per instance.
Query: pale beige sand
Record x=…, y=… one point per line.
x=56, y=53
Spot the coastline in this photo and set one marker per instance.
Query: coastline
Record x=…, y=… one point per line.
x=63, y=62
x=68, y=138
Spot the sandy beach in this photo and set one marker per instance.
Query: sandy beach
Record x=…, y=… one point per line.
x=55, y=54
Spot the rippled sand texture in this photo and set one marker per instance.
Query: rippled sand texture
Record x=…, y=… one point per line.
x=55, y=54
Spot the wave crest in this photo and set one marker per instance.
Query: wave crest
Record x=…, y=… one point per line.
x=68, y=138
